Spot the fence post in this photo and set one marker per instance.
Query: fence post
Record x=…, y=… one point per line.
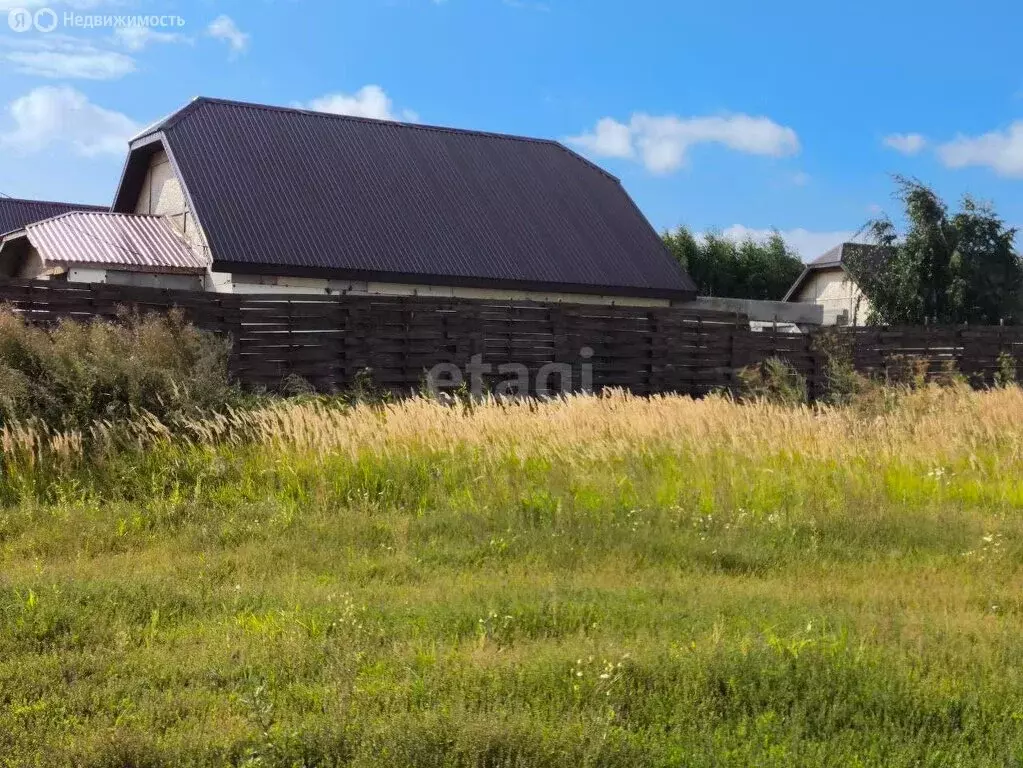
x=817, y=385
x=733, y=365
x=927, y=350
x=653, y=332
x=407, y=316
x=959, y=348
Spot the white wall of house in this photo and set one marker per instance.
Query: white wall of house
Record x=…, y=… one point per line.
x=163, y=195
x=33, y=268
x=833, y=289
x=223, y=282
x=135, y=279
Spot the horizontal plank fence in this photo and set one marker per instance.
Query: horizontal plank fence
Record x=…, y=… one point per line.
x=337, y=342
x=334, y=343
x=977, y=352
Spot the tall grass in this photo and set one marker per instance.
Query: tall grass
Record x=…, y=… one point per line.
x=74, y=373
x=589, y=581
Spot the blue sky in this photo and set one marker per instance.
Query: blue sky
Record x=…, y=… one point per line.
x=734, y=116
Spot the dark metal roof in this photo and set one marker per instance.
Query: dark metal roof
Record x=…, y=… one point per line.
x=303, y=192
x=17, y=214
x=832, y=258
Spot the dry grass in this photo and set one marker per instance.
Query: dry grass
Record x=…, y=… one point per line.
x=592, y=581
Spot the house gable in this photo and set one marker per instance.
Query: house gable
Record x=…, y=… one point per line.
x=151, y=185
x=836, y=292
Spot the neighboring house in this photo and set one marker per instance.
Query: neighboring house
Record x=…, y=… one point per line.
x=290, y=201
x=826, y=282
x=16, y=214
x=102, y=247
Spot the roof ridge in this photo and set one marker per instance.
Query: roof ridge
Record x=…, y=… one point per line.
x=167, y=121
x=176, y=117
x=26, y=201
x=69, y=214
x=372, y=120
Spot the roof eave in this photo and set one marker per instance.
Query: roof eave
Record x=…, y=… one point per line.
x=14, y=234
x=111, y=267
x=458, y=281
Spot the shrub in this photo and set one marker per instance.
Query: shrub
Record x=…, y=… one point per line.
x=843, y=384
x=75, y=373
x=773, y=380
x=1005, y=375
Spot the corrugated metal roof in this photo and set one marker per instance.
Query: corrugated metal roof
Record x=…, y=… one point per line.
x=304, y=192
x=832, y=258
x=116, y=241
x=17, y=214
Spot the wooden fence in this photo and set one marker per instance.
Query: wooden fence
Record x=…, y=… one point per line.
x=974, y=351
x=333, y=342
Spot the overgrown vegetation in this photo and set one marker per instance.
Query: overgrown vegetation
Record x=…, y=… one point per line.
x=606, y=581
x=775, y=381
x=947, y=268
x=75, y=374
x=744, y=270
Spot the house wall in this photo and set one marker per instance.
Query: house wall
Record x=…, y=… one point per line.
x=32, y=267
x=222, y=282
x=163, y=195
x=136, y=279
x=836, y=292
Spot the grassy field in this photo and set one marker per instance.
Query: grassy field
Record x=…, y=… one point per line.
x=594, y=582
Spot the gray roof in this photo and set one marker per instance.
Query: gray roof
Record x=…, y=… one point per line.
x=114, y=241
x=305, y=193
x=840, y=254
x=17, y=214
x=832, y=258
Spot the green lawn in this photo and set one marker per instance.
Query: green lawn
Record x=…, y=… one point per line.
x=605, y=582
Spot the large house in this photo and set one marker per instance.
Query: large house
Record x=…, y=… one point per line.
x=827, y=282
x=246, y=198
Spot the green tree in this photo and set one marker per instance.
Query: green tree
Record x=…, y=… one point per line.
x=946, y=267
x=742, y=270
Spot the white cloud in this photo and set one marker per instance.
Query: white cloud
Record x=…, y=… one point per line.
x=662, y=143
x=369, y=101
x=800, y=178
x=224, y=28
x=64, y=56
x=609, y=139
x=906, y=143
x=86, y=64
x=808, y=244
x=1002, y=151
x=138, y=38
x=52, y=115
